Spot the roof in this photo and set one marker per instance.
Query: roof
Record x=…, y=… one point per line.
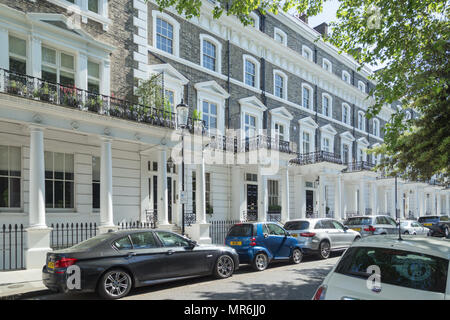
x=439, y=247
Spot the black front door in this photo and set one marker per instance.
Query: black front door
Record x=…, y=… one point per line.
x=309, y=202
x=169, y=198
x=252, y=202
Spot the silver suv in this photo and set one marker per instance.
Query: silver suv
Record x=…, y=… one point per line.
x=372, y=225
x=321, y=236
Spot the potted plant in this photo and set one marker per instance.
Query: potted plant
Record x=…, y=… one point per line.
x=44, y=92
x=94, y=103
x=12, y=87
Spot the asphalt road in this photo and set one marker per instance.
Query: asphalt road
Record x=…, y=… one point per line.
x=281, y=281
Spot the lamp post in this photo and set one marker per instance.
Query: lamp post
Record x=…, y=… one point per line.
x=182, y=118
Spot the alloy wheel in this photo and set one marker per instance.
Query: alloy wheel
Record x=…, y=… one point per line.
x=261, y=261
x=297, y=256
x=225, y=266
x=117, y=284
x=324, y=250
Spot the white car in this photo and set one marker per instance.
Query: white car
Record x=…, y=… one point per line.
x=386, y=268
x=413, y=227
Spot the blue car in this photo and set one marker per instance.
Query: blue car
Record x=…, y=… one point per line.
x=260, y=243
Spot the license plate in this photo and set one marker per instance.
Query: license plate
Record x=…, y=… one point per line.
x=51, y=265
x=427, y=224
x=356, y=229
x=295, y=235
x=236, y=243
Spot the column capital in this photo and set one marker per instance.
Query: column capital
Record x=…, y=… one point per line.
x=35, y=127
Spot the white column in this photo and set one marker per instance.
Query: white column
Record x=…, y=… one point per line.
x=106, y=186
x=438, y=203
x=285, y=194
x=145, y=199
x=37, y=178
x=362, y=202
x=106, y=78
x=400, y=201
x=163, y=207
x=237, y=194
x=300, y=199
x=337, y=197
x=82, y=72
x=200, y=192
x=38, y=234
x=433, y=202
x=263, y=197
x=374, y=198
x=4, y=56
x=447, y=201
x=343, y=201
x=422, y=202
x=393, y=213
x=322, y=201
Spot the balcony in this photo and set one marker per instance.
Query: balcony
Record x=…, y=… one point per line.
x=316, y=157
x=356, y=166
x=232, y=144
x=32, y=88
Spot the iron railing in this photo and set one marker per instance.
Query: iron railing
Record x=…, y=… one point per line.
x=356, y=166
x=135, y=225
x=190, y=218
x=151, y=218
x=274, y=216
x=352, y=214
x=69, y=96
x=249, y=216
x=233, y=144
x=218, y=230
x=316, y=157
x=12, y=247
x=69, y=234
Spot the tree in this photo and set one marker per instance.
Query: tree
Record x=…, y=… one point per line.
x=411, y=39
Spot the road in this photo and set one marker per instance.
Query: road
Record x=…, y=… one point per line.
x=281, y=281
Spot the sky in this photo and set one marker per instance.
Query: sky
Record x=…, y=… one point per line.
x=328, y=14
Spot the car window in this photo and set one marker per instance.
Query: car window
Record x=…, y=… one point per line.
x=241, y=230
x=444, y=218
x=429, y=219
x=143, y=240
x=337, y=225
x=92, y=242
x=327, y=224
x=275, y=229
x=296, y=225
x=123, y=243
x=391, y=221
x=359, y=221
x=380, y=220
x=398, y=267
x=169, y=239
x=415, y=224
x=319, y=225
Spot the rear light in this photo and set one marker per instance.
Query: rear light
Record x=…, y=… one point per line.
x=320, y=293
x=64, y=262
x=370, y=229
x=307, y=234
x=253, y=242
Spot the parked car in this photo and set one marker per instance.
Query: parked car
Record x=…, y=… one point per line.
x=413, y=227
x=321, y=236
x=113, y=263
x=415, y=268
x=260, y=243
x=372, y=225
x=439, y=225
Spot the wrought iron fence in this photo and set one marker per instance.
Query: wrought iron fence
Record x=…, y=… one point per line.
x=69, y=234
x=151, y=218
x=218, y=230
x=274, y=217
x=190, y=218
x=249, y=216
x=356, y=166
x=12, y=245
x=316, y=157
x=135, y=225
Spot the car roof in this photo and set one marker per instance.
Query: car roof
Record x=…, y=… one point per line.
x=310, y=219
x=439, y=247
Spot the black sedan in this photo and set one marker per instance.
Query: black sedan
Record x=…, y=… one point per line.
x=439, y=225
x=113, y=263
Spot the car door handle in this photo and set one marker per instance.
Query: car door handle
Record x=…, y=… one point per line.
x=170, y=252
x=131, y=254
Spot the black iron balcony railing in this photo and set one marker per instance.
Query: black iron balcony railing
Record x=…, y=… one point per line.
x=71, y=97
x=233, y=144
x=359, y=166
x=316, y=157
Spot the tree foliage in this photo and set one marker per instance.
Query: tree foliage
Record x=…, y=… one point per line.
x=411, y=38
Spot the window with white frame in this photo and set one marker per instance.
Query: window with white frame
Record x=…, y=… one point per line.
x=361, y=121
x=57, y=66
x=250, y=126
x=93, y=5
x=209, y=111
x=210, y=53
x=279, y=132
x=164, y=35
x=307, y=53
x=280, y=36
x=345, y=113
x=251, y=71
x=376, y=127
x=346, y=76
x=10, y=176
x=306, y=142
x=93, y=77
x=326, y=144
x=273, y=192
x=59, y=180
x=361, y=86
x=280, y=84
x=96, y=182
x=345, y=153
x=326, y=64
x=327, y=105
x=17, y=54
x=307, y=94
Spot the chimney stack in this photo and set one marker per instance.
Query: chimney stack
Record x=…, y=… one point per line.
x=322, y=29
x=302, y=17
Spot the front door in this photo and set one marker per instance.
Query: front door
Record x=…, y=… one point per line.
x=309, y=202
x=169, y=198
x=252, y=202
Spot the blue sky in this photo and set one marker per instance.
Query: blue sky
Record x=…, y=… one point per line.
x=328, y=14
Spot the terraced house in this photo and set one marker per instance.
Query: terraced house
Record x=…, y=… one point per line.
x=77, y=154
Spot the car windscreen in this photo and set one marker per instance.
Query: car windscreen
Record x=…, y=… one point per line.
x=92, y=242
x=358, y=221
x=397, y=267
x=430, y=219
x=241, y=230
x=296, y=225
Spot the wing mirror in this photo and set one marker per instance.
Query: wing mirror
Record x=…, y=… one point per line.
x=345, y=228
x=287, y=234
x=192, y=243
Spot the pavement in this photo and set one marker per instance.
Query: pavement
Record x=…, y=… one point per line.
x=17, y=284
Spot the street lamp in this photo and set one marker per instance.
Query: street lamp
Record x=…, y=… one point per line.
x=182, y=119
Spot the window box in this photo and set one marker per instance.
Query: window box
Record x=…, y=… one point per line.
x=274, y=209
x=94, y=103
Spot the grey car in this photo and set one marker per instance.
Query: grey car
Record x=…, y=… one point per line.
x=372, y=225
x=413, y=227
x=321, y=236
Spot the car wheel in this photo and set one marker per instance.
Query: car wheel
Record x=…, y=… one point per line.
x=446, y=233
x=297, y=256
x=406, y=232
x=115, y=284
x=260, y=262
x=324, y=250
x=224, y=267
